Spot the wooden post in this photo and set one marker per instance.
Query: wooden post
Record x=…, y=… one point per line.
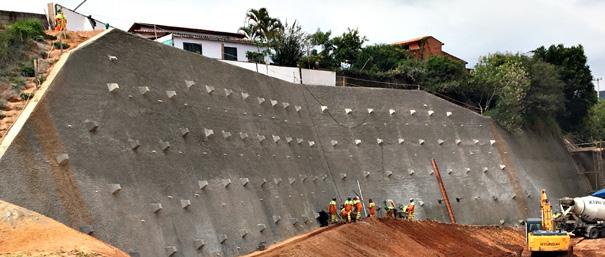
x=222, y=50
x=51, y=15
x=450, y=212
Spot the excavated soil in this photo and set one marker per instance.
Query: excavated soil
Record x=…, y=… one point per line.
x=398, y=238
x=386, y=237
x=27, y=233
x=590, y=248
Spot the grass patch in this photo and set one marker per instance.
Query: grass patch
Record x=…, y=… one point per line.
x=26, y=96
x=28, y=71
x=60, y=45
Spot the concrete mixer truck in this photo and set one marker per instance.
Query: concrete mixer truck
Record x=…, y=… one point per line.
x=583, y=216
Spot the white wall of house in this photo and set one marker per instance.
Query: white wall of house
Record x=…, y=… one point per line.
x=213, y=49
x=291, y=74
x=318, y=77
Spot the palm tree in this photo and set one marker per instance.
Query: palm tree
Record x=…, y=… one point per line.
x=259, y=26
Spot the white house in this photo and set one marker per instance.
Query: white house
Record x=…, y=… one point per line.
x=230, y=48
x=214, y=44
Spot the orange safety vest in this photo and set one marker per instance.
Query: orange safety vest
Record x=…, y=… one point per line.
x=358, y=205
x=343, y=212
x=372, y=208
x=332, y=207
x=410, y=208
x=348, y=206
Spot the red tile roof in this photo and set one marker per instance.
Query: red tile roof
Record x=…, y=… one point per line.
x=413, y=40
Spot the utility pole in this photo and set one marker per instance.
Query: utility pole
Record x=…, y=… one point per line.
x=598, y=86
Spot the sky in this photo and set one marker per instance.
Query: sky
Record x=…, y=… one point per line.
x=469, y=28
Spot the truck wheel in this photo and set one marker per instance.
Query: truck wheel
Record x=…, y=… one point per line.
x=593, y=233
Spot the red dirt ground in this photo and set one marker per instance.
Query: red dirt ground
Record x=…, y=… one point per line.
x=27, y=233
x=590, y=248
x=399, y=238
x=387, y=237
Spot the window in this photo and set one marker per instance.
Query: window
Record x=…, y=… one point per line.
x=192, y=47
x=230, y=53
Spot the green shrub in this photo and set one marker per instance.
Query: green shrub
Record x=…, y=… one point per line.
x=16, y=86
x=28, y=71
x=60, y=45
x=50, y=37
x=41, y=79
x=17, y=83
x=26, y=29
x=26, y=96
x=39, y=38
x=44, y=54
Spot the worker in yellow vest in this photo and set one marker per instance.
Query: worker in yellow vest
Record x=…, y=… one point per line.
x=332, y=210
x=61, y=21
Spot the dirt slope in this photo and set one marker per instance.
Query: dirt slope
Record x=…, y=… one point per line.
x=590, y=248
x=14, y=105
x=27, y=233
x=398, y=238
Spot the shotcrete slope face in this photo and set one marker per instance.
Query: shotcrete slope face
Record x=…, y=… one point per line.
x=200, y=157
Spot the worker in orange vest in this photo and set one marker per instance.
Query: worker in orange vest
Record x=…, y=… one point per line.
x=348, y=209
x=344, y=214
x=410, y=209
x=332, y=210
x=358, y=207
x=372, y=208
x=60, y=21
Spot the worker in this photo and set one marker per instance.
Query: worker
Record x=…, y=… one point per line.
x=389, y=207
x=348, y=208
x=371, y=208
x=410, y=209
x=332, y=210
x=60, y=21
x=344, y=214
x=358, y=208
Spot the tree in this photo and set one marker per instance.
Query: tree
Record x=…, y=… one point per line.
x=288, y=46
x=596, y=122
x=260, y=26
x=380, y=58
x=443, y=75
x=257, y=57
x=321, y=51
x=545, y=95
x=578, y=89
x=514, y=83
x=348, y=46
x=501, y=81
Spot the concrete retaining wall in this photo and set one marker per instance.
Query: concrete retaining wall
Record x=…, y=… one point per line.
x=189, y=151
x=9, y=17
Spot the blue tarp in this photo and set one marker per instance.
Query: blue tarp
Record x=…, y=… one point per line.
x=600, y=193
